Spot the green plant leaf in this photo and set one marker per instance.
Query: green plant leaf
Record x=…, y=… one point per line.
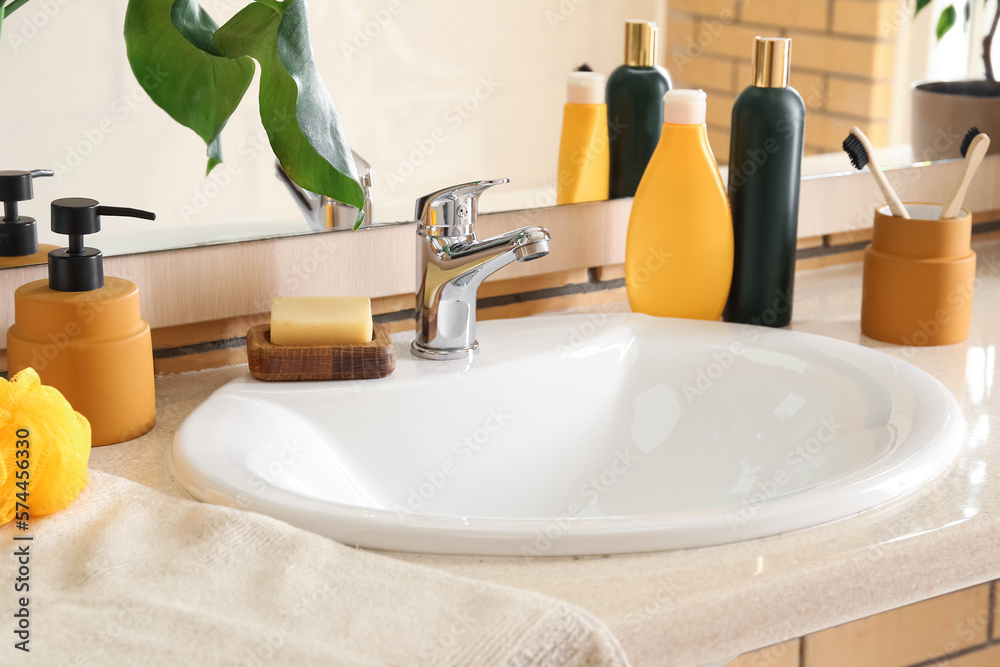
x=13, y=6
x=295, y=107
x=946, y=21
x=170, y=49
x=920, y=5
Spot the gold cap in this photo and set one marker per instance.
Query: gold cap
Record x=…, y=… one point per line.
x=772, y=56
x=640, y=43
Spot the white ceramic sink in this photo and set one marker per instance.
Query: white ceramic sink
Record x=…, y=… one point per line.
x=579, y=435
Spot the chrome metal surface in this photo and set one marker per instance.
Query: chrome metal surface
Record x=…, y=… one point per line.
x=452, y=264
x=324, y=213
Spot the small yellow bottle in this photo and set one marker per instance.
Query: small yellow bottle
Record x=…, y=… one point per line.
x=584, y=158
x=679, y=250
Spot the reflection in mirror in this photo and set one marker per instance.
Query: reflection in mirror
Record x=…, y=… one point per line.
x=855, y=64
x=449, y=91
x=484, y=101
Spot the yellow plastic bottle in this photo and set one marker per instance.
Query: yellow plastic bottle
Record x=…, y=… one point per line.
x=679, y=250
x=584, y=157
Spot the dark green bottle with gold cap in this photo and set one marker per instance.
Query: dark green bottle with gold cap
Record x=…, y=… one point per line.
x=765, y=165
x=635, y=109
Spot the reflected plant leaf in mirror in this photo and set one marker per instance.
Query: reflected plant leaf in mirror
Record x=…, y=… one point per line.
x=948, y=19
x=198, y=73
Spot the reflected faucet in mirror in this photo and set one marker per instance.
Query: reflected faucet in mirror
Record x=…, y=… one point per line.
x=324, y=213
x=452, y=263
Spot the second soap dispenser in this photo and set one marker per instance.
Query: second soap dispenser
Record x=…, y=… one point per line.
x=83, y=333
x=18, y=235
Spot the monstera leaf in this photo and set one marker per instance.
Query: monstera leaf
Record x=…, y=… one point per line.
x=295, y=107
x=198, y=73
x=170, y=48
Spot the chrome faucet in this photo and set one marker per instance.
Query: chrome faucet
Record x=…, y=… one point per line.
x=452, y=264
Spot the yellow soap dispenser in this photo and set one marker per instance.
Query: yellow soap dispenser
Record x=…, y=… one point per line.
x=18, y=236
x=82, y=332
x=679, y=249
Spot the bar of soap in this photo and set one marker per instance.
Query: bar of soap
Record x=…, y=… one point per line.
x=321, y=320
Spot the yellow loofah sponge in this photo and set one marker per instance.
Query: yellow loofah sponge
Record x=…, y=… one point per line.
x=58, y=446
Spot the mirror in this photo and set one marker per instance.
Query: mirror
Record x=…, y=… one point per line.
x=432, y=95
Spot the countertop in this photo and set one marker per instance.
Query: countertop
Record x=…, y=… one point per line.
x=697, y=606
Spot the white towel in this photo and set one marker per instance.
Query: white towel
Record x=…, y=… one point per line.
x=131, y=576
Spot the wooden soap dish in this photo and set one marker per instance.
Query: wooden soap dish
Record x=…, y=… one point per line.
x=289, y=363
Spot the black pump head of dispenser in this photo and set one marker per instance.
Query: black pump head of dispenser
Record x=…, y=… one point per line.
x=78, y=268
x=18, y=237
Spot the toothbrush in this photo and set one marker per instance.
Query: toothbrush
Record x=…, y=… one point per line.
x=860, y=150
x=974, y=147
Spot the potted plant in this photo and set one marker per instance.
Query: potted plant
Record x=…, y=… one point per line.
x=944, y=110
x=198, y=72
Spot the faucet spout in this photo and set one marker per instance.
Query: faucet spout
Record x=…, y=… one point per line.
x=522, y=245
x=451, y=265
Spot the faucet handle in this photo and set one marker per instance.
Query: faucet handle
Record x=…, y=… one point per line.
x=452, y=211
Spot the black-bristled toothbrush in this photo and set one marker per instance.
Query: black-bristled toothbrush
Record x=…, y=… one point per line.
x=974, y=147
x=860, y=150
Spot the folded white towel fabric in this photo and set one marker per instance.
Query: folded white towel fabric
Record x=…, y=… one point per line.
x=130, y=576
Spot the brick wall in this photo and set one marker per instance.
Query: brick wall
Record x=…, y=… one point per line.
x=843, y=54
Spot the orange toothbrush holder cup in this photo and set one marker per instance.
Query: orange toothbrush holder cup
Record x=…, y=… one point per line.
x=919, y=278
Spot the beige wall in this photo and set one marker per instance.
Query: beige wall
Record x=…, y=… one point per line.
x=843, y=55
